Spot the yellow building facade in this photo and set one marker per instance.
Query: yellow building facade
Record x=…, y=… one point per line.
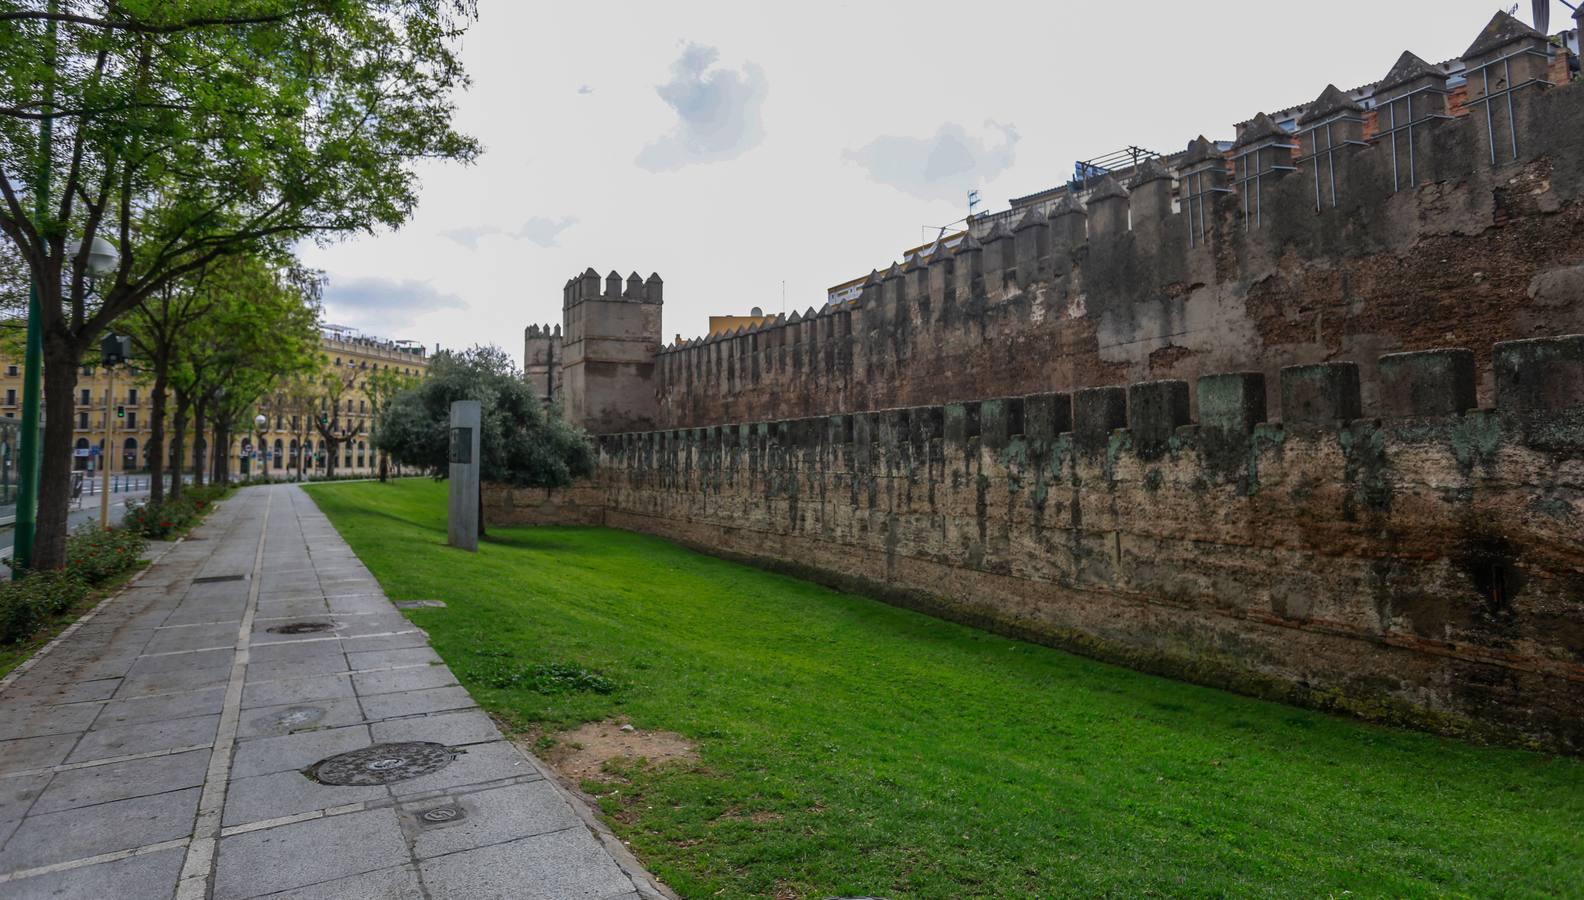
x=121, y=420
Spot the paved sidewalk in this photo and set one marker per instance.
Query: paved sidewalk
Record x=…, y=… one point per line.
x=160, y=749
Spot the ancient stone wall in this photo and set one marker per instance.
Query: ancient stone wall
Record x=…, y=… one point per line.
x=1457, y=223
x=1417, y=563
x=1404, y=544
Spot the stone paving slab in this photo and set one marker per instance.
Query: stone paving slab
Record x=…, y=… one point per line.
x=159, y=749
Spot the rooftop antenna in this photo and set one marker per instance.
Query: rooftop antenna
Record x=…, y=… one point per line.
x=973, y=202
x=783, y=296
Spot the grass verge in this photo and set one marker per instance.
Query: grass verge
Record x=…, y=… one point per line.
x=849, y=747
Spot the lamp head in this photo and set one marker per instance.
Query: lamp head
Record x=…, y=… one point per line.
x=260, y=420
x=102, y=256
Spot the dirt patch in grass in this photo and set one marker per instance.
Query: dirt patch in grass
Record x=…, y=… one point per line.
x=585, y=751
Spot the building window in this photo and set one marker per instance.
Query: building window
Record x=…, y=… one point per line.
x=11, y=370
x=132, y=396
x=295, y=426
x=82, y=420
x=85, y=397
x=338, y=360
x=10, y=396
x=131, y=420
x=87, y=370
x=361, y=407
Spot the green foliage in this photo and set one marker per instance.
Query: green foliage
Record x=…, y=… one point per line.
x=185, y=131
x=171, y=517
x=501, y=669
x=521, y=443
x=852, y=748
x=94, y=556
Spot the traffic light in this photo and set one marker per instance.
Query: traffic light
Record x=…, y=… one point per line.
x=120, y=412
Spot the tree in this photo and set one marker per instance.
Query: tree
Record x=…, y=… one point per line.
x=521, y=443
x=188, y=130
x=382, y=387
x=333, y=388
x=159, y=326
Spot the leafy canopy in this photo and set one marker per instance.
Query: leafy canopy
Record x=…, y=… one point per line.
x=520, y=444
x=190, y=129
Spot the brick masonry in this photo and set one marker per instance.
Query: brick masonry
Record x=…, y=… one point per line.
x=1320, y=446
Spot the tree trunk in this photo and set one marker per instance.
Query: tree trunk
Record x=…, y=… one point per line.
x=219, y=455
x=55, y=466
x=178, y=444
x=200, y=442
x=155, y=449
x=384, y=466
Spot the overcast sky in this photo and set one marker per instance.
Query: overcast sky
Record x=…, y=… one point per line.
x=733, y=147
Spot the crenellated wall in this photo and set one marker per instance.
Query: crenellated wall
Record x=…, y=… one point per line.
x=1438, y=216
x=1352, y=519
x=1409, y=559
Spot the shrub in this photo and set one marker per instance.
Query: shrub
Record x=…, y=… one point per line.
x=26, y=604
x=96, y=555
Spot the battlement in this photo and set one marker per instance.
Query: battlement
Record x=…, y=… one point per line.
x=609, y=342
x=1414, y=559
x=1358, y=231
x=1539, y=403
x=635, y=289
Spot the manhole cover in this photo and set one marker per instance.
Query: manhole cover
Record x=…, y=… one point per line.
x=420, y=604
x=213, y=579
x=301, y=628
x=442, y=815
x=382, y=763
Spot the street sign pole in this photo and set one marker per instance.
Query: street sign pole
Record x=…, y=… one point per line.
x=104, y=456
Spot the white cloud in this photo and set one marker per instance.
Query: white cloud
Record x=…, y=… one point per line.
x=542, y=230
x=719, y=112
x=379, y=304
x=545, y=232
x=943, y=166
x=468, y=236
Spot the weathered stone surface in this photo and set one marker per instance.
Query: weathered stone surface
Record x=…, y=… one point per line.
x=1232, y=552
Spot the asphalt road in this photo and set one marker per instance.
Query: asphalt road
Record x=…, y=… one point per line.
x=77, y=518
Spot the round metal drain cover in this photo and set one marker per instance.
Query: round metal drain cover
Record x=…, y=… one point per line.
x=383, y=763
x=301, y=628
x=442, y=815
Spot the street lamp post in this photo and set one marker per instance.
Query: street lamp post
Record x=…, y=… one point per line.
x=113, y=350
x=33, y=354
x=259, y=423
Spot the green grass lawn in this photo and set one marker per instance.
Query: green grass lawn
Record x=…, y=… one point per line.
x=848, y=747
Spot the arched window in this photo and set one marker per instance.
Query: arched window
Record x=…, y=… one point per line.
x=360, y=454
x=322, y=457
x=294, y=448
x=80, y=458
x=129, y=454
x=280, y=461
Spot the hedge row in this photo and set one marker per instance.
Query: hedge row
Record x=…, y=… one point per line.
x=93, y=557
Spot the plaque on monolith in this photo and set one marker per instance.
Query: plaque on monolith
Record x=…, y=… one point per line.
x=462, y=527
